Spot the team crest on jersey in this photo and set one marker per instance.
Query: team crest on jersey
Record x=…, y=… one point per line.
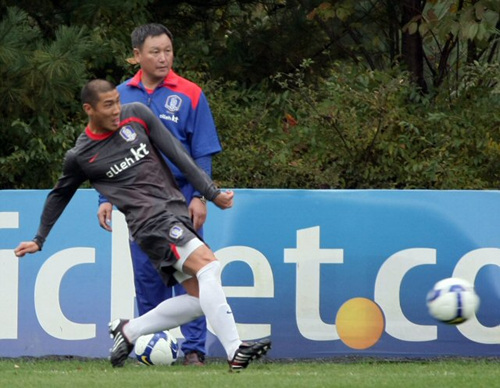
x=176, y=232
x=173, y=103
x=128, y=133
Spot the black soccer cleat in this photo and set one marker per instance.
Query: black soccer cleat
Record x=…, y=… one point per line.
x=247, y=352
x=121, y=346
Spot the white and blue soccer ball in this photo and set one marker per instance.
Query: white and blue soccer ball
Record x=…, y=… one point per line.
x=452, y=301
x=157, y=349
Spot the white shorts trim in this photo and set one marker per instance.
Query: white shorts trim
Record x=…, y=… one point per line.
x=184, y=252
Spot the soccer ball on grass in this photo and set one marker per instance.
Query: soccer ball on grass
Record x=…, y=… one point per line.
x=157, y=349
x=452, y=301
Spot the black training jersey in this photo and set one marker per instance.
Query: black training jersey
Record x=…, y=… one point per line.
x=126, y=167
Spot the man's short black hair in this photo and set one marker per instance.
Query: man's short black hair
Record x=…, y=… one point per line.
x=92, y=89
x=140, y=33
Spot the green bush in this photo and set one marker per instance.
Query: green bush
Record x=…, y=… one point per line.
x=359, y=129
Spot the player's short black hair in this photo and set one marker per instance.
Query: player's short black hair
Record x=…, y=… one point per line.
x=92, y=89
x=140, y=33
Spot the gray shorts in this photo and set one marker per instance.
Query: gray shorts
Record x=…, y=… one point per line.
x=168, y=242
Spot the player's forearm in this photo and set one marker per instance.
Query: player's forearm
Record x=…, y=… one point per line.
x=199, y=178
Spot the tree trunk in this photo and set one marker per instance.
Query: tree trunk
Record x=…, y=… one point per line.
x=411, y=44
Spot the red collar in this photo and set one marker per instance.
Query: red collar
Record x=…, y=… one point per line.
x=97, y=136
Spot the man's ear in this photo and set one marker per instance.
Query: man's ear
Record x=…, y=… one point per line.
x=87, y=108
x=137, y=57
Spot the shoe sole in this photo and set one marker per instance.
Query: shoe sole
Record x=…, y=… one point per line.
x=261, y=352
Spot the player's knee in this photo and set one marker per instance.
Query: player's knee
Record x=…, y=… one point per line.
x=211, y=269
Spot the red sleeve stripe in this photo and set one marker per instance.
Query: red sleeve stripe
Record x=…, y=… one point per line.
x=136, y=120
x=174, y=250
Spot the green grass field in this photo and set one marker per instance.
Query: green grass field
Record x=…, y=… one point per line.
x=64, y=372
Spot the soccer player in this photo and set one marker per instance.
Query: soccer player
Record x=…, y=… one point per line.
x=183, y=109
x=117, y=154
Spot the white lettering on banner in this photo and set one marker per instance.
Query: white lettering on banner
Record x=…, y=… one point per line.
x=47, y=304
x=263, y=285
x=122, y=274
x=308, y=256
x=9, y=220
x=9, y=283
x=387, y=291
x=467, y=268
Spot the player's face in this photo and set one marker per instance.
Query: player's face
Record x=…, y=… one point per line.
x=155, y=58
x=105, y=116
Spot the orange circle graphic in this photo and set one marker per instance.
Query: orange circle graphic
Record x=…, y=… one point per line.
x=360, y=323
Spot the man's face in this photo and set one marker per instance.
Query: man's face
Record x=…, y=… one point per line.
x=105, y=116
x=155, y=57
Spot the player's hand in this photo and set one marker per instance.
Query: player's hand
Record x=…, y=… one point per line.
x=224, y=200
x=197, y=212
x=104, y=215
x=26, y=247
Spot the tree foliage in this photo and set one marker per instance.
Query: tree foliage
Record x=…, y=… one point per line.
x=360, y=129
x=46, y=54
x=37, y=98
x=305, y=93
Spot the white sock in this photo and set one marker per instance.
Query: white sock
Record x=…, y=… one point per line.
x=214, y=304
x=167, y=315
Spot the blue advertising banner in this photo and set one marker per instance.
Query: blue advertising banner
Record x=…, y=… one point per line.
x=324, y=273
